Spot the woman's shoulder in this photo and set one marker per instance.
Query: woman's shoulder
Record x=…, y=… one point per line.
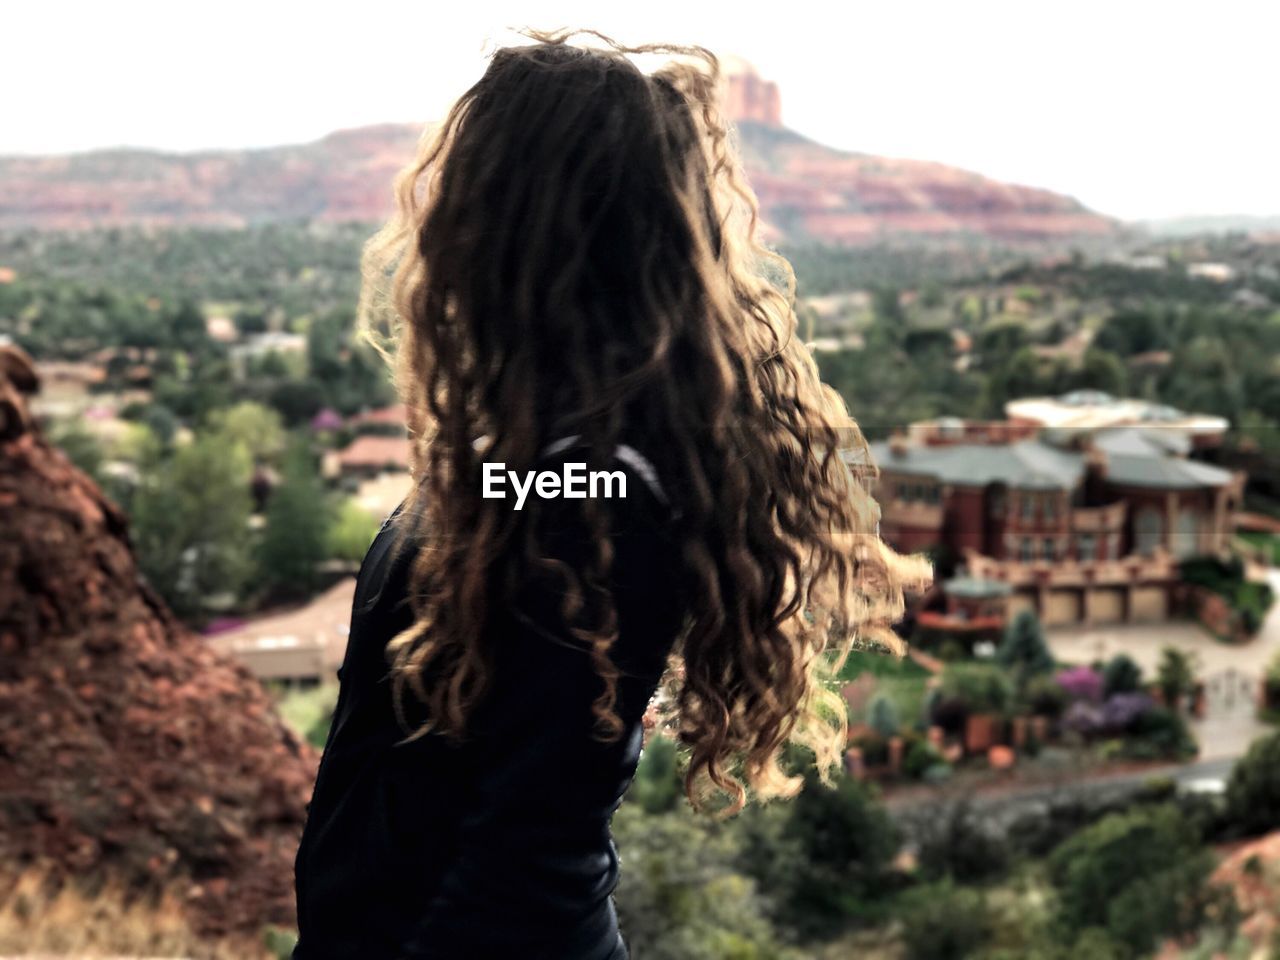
x=632, y=477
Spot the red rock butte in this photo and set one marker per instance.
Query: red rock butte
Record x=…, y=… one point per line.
x=747, y=96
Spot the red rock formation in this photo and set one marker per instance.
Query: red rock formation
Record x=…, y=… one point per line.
x=807, y=192
x=748, y=97
x=129, y=750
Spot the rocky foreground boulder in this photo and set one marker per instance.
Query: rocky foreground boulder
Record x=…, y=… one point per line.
x=130, y=752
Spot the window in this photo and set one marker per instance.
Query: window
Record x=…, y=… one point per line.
x=1086, y=547
x=1186, y=533
x=1049, y=549
x=1028, y=506
x=1028, y=550
x=1148, y=529
x=997, y=502
x=1050, y=507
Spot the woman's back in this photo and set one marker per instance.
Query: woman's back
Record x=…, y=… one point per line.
x=499, y=846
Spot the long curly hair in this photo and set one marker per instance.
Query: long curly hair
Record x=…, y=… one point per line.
x=574, y=251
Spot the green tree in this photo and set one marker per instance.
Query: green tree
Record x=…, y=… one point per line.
x=1103, y=370
x=658, y=786
x=941, y=921
x=1253, y=792
x=1175, y=675
x=681, y=896
x=1023, y=649
x=295, y=539
x=1139, y=875
x=846, y=841
x=351, y=532
x=258, y=428
x=1121, y=675
x=81, y=447
x=190, y=524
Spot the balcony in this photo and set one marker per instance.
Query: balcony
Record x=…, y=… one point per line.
x=1106, y=519
x=1160, y=567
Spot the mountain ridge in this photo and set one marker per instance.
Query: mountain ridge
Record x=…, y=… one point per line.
x=808, y=191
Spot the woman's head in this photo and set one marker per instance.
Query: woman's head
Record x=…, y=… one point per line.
x=574, y=252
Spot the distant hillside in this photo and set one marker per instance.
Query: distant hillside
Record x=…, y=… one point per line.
x=1192, y=226
x=808, y=192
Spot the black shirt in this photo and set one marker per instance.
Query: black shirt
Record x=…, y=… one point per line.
x=499, y=846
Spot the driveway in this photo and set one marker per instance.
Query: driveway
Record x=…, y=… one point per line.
x=1144, y=641
x=1231, y=672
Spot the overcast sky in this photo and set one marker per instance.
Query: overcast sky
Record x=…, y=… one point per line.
x=1137, y=109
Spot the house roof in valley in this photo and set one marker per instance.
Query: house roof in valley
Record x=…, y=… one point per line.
x=1028, y=464
x=1134, y=457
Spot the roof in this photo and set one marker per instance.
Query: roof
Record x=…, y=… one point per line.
x=1166, y=473
x=1094, y=409
x=1135, y=456
x=1141, y=441
x=376, y=452
x=1027, y=464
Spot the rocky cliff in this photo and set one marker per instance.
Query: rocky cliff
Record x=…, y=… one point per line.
x=129, y=751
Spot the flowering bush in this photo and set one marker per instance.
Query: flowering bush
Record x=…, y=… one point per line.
x=1081, y=683
x=1084, y=717
x=1122, y=710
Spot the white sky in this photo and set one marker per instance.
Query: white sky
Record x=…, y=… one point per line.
x=1138, y=109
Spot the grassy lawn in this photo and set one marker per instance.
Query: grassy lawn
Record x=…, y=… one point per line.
x=881, y=665
x=1267, y=542
x=305, y=711
x=902, y=681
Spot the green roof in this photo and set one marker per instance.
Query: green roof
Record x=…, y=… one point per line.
x=1028, y=464
x=1135, y=457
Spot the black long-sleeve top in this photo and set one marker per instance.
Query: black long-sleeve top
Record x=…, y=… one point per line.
x=499, y=846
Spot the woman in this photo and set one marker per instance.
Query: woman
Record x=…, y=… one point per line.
x=575, y=279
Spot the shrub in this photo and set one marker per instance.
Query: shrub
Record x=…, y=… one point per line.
x=918, y=758
x=1084, y=718
x=1253, y=792
x=1122, y=711
x=1023, y=649
x=943, y=922
x=875, y=748
x=1161, y=734
x=1081, y=683
x=1139, y=876
x=1046, y=697
x=982, y=688
x=846, y=841
x=959, y=845
x=1175, y=676
x=883, y=716
x=1121, y=675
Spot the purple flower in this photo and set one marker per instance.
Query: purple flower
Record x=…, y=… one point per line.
x=326, y=419
x=1081, y=683
x=1122, y=710
x=1084, y=718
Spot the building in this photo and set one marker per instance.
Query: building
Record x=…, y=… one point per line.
x=1081, y=525
x=370, y=456
x=304, y=645
x=1085, y=410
